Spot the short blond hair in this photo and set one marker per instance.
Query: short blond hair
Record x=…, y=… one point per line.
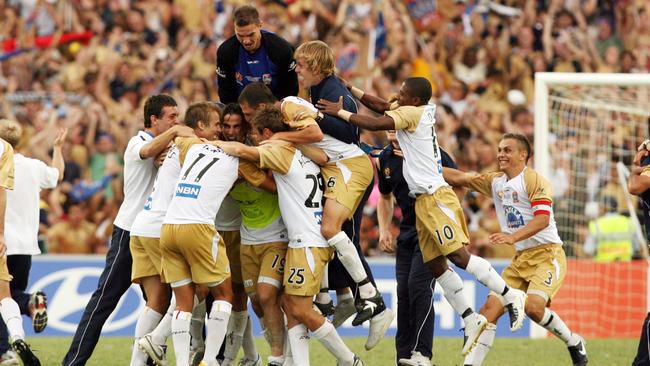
x=318, y=56
x=10, y=131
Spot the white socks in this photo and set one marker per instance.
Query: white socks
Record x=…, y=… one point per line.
x=196, y=325
x=344, y=296
x=236, y=327
x=181, y=336
x=147, y=321
x=483, y=345
x=485, y=274
x=248, y=341
x=452, y=286
x=216, y=329
x=11, y=316
x=331, y=340
x=299, y=339
x=348, y=256
x=554, y=324
x=164, y=328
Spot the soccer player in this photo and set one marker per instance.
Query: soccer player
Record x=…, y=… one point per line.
x=193, y=253
x=439, y=219
x=639, y=184
x=254, y=55
x=300, y=193
x=415, y=283
x=9, y=309
x=347, y=174
x=263, y=247
x=22, y=220
x=160, y=128
x=228, y=222
x=315, y=66
x=523, y=202
x=203, y=118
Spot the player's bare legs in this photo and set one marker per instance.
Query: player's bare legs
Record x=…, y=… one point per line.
x=301, y=318
x=268, y=297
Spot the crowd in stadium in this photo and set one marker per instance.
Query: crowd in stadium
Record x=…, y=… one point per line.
x=89, y=65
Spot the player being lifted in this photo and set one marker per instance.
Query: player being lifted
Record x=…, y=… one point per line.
x=192, y=251
x=523, y=202
x=347, y=175
x=203, y=118
x=440, y=222
x=300, y=185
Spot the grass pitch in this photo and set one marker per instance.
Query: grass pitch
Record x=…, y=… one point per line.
x=548, y=352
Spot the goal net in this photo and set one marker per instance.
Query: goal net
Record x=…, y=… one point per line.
x=586, y=125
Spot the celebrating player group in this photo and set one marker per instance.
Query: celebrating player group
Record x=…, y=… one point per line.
x=259, y=198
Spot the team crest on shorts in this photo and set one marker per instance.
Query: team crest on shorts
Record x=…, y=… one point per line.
x=266, y=79
x=387, y=172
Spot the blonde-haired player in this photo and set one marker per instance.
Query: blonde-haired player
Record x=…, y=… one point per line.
x=193, y=253
x=10, y=130
x=523, y=202
x=146, y=270
x=300, y=185
x=439, y=218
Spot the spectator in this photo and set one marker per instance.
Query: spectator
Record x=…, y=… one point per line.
x=76, y=235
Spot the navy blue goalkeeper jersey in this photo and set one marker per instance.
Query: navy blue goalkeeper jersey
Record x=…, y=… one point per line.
x=272, y=64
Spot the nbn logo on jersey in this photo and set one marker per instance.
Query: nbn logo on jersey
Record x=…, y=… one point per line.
x=319, y=217
x=188, y=190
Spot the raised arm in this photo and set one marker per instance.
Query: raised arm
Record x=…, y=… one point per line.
x=160, y=143
x=57, y=154
x=638, y=182
x=380, y=123
x=456, y=177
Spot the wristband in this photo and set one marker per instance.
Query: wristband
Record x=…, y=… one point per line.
x=358, y=93
x=344, y=115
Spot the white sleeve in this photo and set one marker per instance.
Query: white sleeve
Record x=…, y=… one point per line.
x=132, y=152
x=48, y=177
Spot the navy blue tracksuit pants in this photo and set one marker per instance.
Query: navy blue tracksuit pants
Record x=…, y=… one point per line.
x=113, y=283
x=415, y=286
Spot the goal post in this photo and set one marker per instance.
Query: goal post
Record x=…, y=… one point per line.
x=587, y=128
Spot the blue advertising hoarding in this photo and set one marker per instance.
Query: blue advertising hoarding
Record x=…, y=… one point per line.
x=69, y=281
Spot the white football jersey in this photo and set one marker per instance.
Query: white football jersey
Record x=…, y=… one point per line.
x=206, y=176
x=21, y=216
x=150, y=219
x=300, y=191
x=228, y=218
x=335, y=149
x=139, y=175
x=416, y=134
x=517, y=201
